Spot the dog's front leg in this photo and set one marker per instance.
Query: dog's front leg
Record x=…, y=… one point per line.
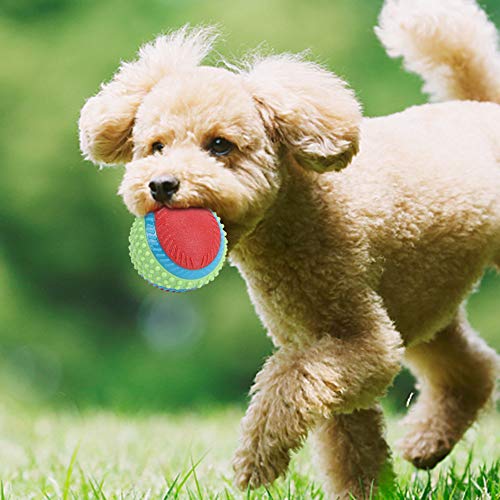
x=299, y=386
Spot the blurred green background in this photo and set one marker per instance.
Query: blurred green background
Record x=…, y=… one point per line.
x=78, y=327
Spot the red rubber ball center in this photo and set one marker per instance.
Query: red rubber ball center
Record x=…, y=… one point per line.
x=189, y=236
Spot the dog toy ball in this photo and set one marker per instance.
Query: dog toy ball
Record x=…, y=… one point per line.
x=178, y=250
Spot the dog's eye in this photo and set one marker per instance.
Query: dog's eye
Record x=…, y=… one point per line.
x=157, y=147
x=220, y=147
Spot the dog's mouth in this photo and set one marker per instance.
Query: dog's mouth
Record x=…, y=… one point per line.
x=177, y=205
x=141, y=202
x=182, y=205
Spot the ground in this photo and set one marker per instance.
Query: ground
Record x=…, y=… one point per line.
x=102, y=455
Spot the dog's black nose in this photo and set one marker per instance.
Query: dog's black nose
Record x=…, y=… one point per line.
x=163, y=188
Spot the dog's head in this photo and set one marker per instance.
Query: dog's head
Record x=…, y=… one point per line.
x=200, y=136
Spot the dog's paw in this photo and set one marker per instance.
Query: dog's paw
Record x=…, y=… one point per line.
x=425, y=449
x=253, y=469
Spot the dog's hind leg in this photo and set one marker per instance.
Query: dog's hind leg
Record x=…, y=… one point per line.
x=456, y=374
x=352, y=453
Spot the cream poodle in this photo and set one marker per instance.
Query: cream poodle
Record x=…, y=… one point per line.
x=359, y=238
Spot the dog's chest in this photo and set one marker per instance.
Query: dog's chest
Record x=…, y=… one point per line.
x=298, y=284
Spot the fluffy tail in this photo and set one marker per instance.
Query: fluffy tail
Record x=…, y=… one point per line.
x=451, y=44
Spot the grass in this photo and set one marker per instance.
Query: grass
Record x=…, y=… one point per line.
x=100, y=455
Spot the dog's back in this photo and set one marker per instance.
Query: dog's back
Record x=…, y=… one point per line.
x=426, y=183
x=427, y=180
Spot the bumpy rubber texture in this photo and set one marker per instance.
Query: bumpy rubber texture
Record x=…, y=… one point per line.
x=178, y=250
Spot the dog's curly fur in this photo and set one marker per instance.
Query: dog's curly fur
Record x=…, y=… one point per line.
x=356, y=261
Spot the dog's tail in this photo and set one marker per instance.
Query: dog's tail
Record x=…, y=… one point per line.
x=451, y=44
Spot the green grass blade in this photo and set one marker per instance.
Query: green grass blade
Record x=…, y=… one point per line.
x=69, y=472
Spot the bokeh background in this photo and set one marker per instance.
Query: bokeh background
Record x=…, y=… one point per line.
x=78, y=327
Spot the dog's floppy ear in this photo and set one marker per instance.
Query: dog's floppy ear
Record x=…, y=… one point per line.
x=107, y=119
x=308, y=109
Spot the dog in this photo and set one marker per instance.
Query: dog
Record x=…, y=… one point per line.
x=359, y=238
